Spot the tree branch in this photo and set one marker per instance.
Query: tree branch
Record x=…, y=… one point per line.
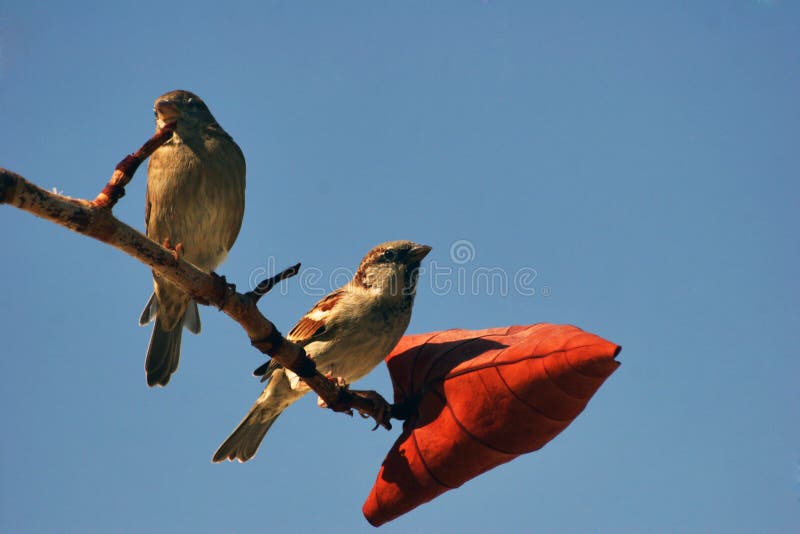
x=94, y=219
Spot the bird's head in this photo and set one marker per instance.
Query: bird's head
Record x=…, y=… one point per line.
x=391, y=268
x=183, y=107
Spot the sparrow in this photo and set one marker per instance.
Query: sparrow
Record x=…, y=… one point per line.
x=347, y=333
x=194, y=203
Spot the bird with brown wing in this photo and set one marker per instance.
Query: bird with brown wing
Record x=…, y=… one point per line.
x=347, y=333
x=194, y=203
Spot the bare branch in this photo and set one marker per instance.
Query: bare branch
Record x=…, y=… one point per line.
x=94, y=219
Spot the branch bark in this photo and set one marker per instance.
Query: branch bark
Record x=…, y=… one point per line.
x=95, y=219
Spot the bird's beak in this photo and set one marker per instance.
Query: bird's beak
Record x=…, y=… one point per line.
x=166, y=110
x=418, y=252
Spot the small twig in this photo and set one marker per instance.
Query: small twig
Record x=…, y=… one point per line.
x=125, y=169
x=265, y=286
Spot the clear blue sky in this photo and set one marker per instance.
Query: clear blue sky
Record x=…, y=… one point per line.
x=641, y=157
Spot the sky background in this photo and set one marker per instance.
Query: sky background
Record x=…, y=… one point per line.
x=641, y=157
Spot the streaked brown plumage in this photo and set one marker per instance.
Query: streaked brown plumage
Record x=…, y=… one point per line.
x=347, y=333
x=195, y=198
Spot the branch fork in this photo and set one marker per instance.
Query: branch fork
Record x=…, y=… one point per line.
x=94, y=219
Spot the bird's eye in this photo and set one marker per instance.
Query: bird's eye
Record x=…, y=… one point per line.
x=389, y=255
x=190, y=100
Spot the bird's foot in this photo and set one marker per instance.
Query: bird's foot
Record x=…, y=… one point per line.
x=177, y=250
x=382, y=412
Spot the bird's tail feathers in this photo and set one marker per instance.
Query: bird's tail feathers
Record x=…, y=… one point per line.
x=164, y=351
x=149, y=311
x=163, y=354
x=191, y=318
x=243, y=443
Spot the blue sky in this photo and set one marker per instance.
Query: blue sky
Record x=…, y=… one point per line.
x=640, y=157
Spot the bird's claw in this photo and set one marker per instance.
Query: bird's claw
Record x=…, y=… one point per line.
x=177, y=250
x=383, y=410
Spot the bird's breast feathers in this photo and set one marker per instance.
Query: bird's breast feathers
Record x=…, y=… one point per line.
x=195, y=196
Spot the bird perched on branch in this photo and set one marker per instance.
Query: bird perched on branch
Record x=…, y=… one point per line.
x=195, y=204
x=347, y=333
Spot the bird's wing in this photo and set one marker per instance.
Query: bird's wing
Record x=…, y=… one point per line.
x=312, y=327
x=238, y=171
x=234, y=169
x=147, y=207
x=316, y=322
x=265, y=371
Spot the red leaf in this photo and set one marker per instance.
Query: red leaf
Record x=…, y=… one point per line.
x=480, y=399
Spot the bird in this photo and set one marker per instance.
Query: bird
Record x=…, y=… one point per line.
x=347, y=333
x=194, y=205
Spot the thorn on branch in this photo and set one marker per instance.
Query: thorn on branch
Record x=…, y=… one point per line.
x=265, y=286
